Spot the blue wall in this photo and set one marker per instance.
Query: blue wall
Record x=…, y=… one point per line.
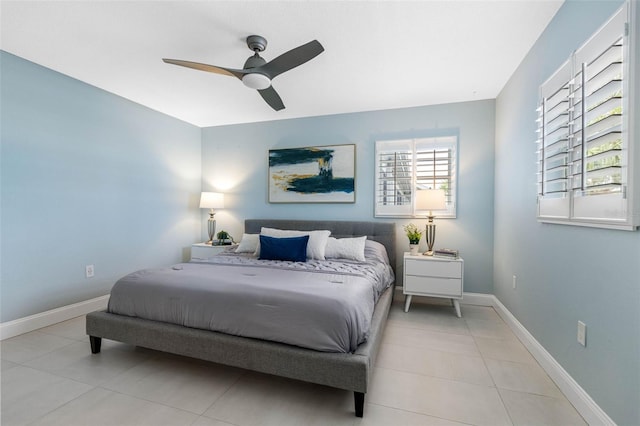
x=87, y=178
x=234, y=160
x=565, y=273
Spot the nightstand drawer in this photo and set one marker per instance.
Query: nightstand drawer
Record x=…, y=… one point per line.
x=433, y=268
x=436, y=286
x=203, y=251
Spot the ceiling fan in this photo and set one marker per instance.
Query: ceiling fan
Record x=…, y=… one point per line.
x=258, y=73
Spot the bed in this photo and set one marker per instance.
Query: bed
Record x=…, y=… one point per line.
x=350, y=370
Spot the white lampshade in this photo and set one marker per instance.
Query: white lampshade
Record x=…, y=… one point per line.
x=212, y=200
x=255, y=80
x=430, y=199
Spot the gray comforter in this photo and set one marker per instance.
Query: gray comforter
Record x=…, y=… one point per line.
x=321, y=305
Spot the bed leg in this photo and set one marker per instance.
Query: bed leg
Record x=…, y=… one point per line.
x=358, y=399
x=95, y=344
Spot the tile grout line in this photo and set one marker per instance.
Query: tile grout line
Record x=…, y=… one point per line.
x=495, y=385
x=420, y=414
x=146, y=400
x=244, y=373
x=447, y=379
x=66, y=403
x=49, y=352
x=563, y=398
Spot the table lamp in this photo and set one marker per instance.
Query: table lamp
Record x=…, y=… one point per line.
x=211, y=200
x=430, y=199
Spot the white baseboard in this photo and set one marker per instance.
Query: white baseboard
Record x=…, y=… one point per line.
x=44, y=319
x=478, y=299
x=584, y=404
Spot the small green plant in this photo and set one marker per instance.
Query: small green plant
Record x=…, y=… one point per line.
x=223, y=236
x=413, y=233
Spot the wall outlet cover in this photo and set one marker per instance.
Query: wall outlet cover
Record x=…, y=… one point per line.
x=582, y=333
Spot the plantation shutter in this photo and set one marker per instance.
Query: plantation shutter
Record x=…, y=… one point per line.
x=404, y=165
x=553, y=145
x=435, y=169
x=599, y=194
x=394, y=178
x=583, y=133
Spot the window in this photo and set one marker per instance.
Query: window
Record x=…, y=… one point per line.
x=405, y=165
x=584, y=167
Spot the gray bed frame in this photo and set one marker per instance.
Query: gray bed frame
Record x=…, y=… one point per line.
x=349, y=371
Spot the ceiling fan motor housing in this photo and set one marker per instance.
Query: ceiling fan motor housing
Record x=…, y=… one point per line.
x=256, y=43
x=254, y=61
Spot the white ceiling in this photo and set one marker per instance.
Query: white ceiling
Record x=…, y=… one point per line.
x=378, y=54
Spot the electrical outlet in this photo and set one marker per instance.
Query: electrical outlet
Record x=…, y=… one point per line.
x=514, y=281
x=582, y=333
x=88, y=271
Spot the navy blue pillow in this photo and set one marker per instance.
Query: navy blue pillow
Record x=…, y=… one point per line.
x=293, y=248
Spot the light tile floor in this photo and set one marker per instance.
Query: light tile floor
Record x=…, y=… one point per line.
x=433, y=369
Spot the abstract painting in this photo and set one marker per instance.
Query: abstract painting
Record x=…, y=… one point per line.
x=315, y=174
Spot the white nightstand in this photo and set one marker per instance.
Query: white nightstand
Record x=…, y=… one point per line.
x=201, y=251
x=433, y=277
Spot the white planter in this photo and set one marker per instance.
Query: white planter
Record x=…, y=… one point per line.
x=413, y=249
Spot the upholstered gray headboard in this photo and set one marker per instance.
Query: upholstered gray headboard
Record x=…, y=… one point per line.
x=382, y=232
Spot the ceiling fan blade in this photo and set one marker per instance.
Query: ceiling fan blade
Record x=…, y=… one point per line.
x=291, y=59
x=206, y=67
x=272, y=98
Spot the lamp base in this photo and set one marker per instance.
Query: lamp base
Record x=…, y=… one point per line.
x=211, y=225
x=430, y=236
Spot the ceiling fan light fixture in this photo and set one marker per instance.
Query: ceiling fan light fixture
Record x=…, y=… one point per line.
x=258, y=73
x=257, y=81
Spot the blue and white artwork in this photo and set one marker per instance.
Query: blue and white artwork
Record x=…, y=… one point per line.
x=316, y=174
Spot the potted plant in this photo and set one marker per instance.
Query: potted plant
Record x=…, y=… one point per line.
x=414, y=235
x=224, y=238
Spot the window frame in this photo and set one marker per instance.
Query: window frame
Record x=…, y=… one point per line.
x=411, y=149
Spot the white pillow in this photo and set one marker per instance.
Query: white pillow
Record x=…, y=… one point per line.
x=249, y=243
x=346, y=248
x=317, y=240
